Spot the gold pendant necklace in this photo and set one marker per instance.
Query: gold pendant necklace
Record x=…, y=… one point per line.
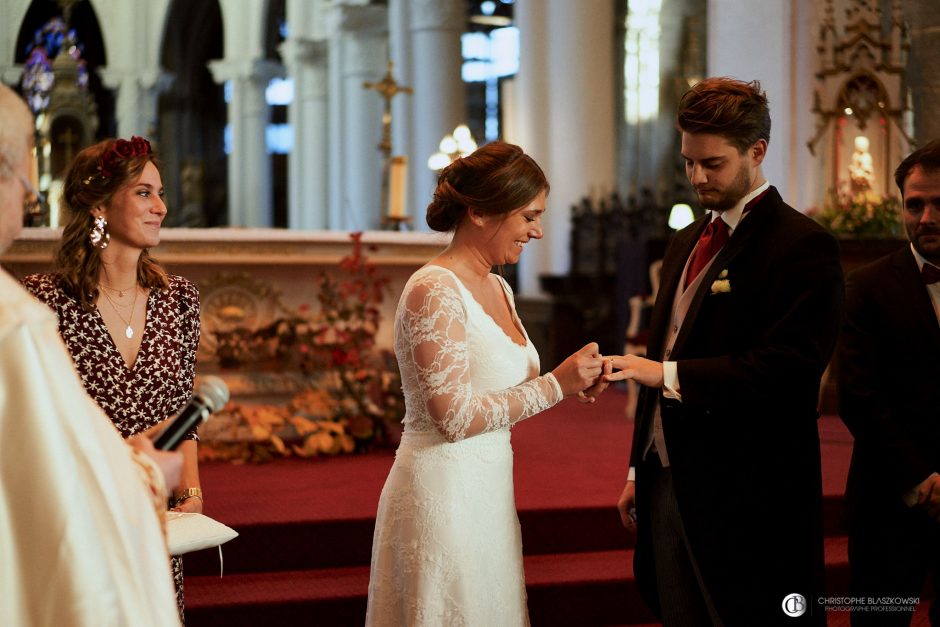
x=119, y=292
x=128, y=330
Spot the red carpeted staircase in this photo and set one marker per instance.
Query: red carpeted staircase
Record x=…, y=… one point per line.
x=306, y=528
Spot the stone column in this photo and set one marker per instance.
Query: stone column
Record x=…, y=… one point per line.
x=923, y=67
x=307, y=180
x=782, y=45
x=305, y=54
x=400, y=53
x=439, y=99
x=530, y=121
x=357, y=55
x=565, y=120
x=13, y=12
x=136, y=95
x=249, y=164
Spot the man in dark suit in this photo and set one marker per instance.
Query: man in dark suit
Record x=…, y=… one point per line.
x=725, y=454
x=889, y=389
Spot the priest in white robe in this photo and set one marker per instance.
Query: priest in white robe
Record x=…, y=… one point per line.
x=81, y=543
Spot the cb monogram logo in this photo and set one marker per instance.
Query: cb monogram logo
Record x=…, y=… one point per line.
x=794, y=605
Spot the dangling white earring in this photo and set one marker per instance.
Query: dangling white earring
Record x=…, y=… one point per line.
x=99, y=236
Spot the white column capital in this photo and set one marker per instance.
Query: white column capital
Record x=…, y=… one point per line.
x=359, y=18
x=299, y=51
x=149, y=78
x=258, y=70
x=437, y=15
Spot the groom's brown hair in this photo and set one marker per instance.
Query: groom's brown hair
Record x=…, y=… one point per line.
x=733, y=109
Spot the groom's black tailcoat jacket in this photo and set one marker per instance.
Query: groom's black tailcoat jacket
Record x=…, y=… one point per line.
x=743, y=443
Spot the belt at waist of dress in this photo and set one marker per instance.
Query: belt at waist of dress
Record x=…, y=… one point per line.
x=417, y=440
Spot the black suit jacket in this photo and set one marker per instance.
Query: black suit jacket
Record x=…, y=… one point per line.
x=889, y=383
x=743, y=442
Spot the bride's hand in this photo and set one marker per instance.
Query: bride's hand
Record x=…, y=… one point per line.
x=600, y=384
x=580, y=370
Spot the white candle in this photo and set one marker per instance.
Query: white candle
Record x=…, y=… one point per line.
x=397, y=186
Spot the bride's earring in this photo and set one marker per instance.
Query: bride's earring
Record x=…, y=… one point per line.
x=99, y=236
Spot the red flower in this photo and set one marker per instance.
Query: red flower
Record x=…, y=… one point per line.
x=141, y=146
x=122, y=150
x=339, y=357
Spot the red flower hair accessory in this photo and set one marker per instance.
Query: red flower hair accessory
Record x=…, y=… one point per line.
x=122, y=150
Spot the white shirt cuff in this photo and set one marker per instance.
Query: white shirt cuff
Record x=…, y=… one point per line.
x=671, y=380
x=631, y=476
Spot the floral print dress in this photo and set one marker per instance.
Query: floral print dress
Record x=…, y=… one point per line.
x=161, y=381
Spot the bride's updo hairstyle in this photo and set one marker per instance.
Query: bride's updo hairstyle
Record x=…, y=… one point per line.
x=495, y=179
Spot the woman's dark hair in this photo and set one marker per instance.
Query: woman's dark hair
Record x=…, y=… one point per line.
x=94, y=177
x=496, y=179
x=733, y=109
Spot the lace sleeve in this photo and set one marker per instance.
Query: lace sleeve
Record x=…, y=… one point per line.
x=434, y=319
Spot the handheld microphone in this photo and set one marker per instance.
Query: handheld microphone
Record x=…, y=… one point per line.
x=211, y=396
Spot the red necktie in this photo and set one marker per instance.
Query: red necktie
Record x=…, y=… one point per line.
x=712, y=239
x=930, y=274
x=709, y=243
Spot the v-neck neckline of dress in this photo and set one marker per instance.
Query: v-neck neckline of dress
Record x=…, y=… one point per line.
x=512, y=312
x=113, y=347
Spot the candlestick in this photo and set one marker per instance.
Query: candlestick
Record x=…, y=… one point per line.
x=398, y=187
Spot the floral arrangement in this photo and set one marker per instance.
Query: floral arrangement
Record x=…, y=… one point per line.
x=863, y=214
x=352, y=398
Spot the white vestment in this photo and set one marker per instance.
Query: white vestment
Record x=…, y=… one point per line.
x=80, y=540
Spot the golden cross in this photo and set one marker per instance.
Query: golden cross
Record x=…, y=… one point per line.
x=388, y=88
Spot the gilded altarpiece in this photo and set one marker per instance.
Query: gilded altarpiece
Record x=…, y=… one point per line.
x=861, y=98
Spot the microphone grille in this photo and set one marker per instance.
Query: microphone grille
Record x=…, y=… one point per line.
x=214, y=391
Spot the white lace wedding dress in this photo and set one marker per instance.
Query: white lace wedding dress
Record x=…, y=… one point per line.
x=447, y=548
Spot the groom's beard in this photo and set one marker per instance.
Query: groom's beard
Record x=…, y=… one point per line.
x=724, y=199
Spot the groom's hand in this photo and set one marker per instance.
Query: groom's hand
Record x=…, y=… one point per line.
x=626, y=505
x=644, y=371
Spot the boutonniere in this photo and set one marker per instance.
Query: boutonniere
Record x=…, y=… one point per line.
x=722, y=285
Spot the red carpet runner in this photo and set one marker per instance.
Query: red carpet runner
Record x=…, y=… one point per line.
x=306, y=528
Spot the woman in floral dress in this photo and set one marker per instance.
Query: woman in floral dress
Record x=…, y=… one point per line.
x=131, y=328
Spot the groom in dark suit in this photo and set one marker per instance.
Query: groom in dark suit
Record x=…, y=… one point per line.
x=725, y=490
x=889, y=388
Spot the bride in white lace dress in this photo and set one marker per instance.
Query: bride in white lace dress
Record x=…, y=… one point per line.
x=447, y=548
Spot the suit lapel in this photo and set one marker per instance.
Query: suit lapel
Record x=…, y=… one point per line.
x=758, y=217
x=909, y=283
